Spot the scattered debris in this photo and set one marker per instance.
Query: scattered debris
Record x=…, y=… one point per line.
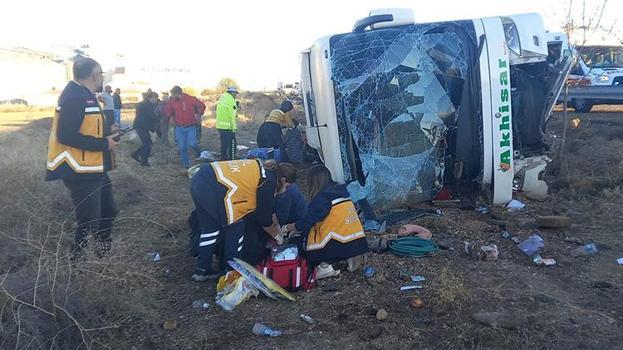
x=417, y=302
x=307, y=319
x=235, y=293
x=416, y=247
x=169, y=325
x=201, y=304
x=242, y=148
x=369, y=271
x=589, y=249
x=515, y=205
x=262, y=330
x=532, y=245
x=153, y=256
x=496, y=319
x=505, y=234
x=516, y=239
x=540, y=261
x=420, y=231
x=620, y=261
x=483, y=209
x=382, y=314
x=417, y=278
x=167, y=273
x=489, y=252
x=553, y=221
x=411, y=287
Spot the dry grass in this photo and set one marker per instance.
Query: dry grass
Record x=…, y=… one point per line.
x=450, y=289
x=101, y=301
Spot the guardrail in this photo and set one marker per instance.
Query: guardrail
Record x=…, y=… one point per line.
x=594, y=93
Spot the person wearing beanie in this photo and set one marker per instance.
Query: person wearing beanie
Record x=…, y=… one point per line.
x=270, y=135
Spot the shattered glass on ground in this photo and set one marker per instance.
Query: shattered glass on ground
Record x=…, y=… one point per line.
x=397, y=94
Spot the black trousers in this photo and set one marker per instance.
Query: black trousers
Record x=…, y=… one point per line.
x=94, y=206
x=198, y=129
x=145, y=150
x=228, y=144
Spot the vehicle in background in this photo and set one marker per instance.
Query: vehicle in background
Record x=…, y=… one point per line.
x=290, y=90
x=403, y=109
x=598, y=66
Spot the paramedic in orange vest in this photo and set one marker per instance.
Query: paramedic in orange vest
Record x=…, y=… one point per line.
x=80, y=153
x=225, y=193
x=331, y=228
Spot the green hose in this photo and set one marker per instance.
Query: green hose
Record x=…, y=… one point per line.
x=412, y=246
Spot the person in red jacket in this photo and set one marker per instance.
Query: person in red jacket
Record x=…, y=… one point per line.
x=186, y=111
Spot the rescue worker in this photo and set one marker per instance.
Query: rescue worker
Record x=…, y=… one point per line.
x=224, y=194
x=185, y=110
x=226, y=114
x=331, y=228
x=270, y=135
x=80, y=154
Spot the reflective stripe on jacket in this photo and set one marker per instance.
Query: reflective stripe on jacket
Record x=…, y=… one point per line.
x=342, y=224
x=80, y=161
x=241, y=177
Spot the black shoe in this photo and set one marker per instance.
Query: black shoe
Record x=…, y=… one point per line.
x=136, y=157
x=202, y=275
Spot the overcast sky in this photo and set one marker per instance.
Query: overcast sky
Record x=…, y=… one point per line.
x=255, y=42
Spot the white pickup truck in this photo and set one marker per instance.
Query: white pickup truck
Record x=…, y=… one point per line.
x=400, y=110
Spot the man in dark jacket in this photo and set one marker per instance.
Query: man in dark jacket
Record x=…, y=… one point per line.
x=270, y=135
x=145, y=122
x=80, y=153
x=117, y=105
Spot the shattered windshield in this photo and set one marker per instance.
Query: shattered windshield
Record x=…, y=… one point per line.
x=397, y=93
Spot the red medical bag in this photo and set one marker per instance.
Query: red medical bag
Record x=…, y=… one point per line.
x=291, y=274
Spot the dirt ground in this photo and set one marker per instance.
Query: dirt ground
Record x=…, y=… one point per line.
x=121, y=302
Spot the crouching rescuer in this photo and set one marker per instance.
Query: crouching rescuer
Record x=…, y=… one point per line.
x=225, y=193
x=331, y=228
x=80, y=154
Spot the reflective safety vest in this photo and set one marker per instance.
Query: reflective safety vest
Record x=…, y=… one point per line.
x=342, y=224
x=81, y=161
x=226, y=111
x=242, y=178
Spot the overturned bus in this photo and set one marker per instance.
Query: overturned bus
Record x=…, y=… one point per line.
x=400, y=110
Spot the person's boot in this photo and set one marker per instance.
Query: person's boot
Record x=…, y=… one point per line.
x=325, y=270
x=202, y=275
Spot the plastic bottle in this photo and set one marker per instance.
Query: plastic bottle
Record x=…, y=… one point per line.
x=262, y=330
x=589, y=249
